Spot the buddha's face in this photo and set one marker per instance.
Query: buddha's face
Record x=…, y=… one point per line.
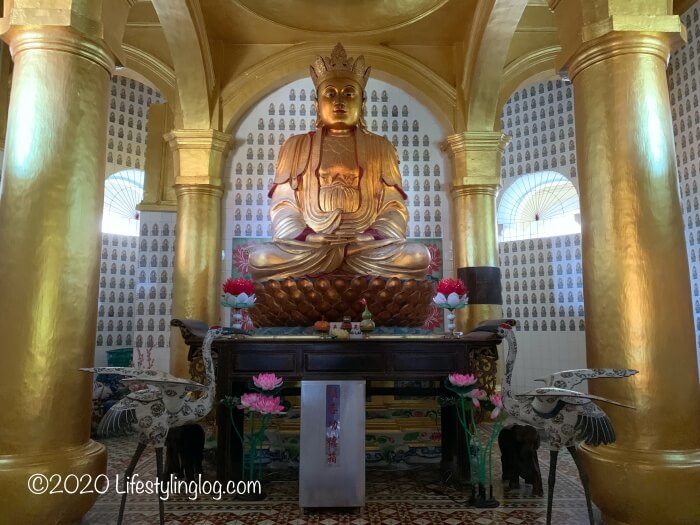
x=339, y=103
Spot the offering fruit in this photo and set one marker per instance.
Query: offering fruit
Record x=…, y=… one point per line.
x=322, y=326
x=339, y=333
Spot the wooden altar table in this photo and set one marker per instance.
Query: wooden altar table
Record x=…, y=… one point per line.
x=378, y=358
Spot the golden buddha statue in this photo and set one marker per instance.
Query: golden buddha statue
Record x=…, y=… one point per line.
x=337, y=203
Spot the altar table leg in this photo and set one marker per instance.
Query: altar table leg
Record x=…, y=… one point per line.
x=229, y=457
x=454, y=463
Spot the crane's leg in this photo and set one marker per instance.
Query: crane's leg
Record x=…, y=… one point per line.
x=129, y=471
x=584, y=481
x=159, y=477
x=550, y=484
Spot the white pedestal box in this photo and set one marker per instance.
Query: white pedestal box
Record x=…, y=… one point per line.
x=332, y=444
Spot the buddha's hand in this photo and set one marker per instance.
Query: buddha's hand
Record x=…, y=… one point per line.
x=363, y=237
x=337, y=238
x=324, y=238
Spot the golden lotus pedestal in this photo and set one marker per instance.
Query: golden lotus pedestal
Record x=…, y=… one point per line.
x=301, y=301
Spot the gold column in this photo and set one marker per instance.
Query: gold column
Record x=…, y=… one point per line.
x=50, y=229
x=635, y=267
x=476, y=162
x=198, y=159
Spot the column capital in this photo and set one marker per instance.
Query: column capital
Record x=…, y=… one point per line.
x=460, y=143
x=476, y=159
x=198, y=155
x=488, y=189
x=593, y=33
x=198, y=189
x=79, y=28
x=61, y=40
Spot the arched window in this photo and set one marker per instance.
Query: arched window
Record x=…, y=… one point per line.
x=123, y=192
x=541, y=204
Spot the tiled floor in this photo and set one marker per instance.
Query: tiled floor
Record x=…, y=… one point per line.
x=409, y=495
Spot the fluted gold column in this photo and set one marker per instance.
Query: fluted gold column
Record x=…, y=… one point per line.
x=476, y=163
x=635, y=267
x=198, y=159
x=51, y=203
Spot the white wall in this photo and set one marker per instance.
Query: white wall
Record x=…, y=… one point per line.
x=542, y=277
x=541, y=353
x=127, y=123
x=120, y=282
x=116, y=300
x=156, y=258
x=683, y=79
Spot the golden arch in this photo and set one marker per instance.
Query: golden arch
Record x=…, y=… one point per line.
x=536, y=66
x=496, y=21
x=242, y=93
x=185, y=32
x=151, y=71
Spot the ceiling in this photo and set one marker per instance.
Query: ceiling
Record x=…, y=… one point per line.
x=359, y=17
x=398, y=23
x=435, y=33
x=390, y=22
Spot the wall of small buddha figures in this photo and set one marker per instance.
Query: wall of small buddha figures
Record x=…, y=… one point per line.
x=683, y=80
x=540, y=120
x=156, y=258
x=542, y=277
x=135, y=298
x=127, y=121
x=116, y=301
x=123, y=317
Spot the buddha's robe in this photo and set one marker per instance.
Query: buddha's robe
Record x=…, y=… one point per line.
x=353, y=223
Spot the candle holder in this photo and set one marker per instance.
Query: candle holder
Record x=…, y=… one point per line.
x=450, y=332
x=238, y=295
x=237, y=308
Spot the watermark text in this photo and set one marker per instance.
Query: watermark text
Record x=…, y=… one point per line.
x=137, y=484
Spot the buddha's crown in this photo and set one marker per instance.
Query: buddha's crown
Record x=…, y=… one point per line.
x=339, y=65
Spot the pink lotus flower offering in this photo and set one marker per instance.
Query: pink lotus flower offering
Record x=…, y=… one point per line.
x=267, y=381
x=263, y=402
x=259, y=407
x=497, y=401
x=269, y=405
x=478, y=440
x=462, y=380
x=249, y=400
x=476, y=395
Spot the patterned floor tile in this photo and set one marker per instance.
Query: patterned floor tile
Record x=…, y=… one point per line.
x=394, y=496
